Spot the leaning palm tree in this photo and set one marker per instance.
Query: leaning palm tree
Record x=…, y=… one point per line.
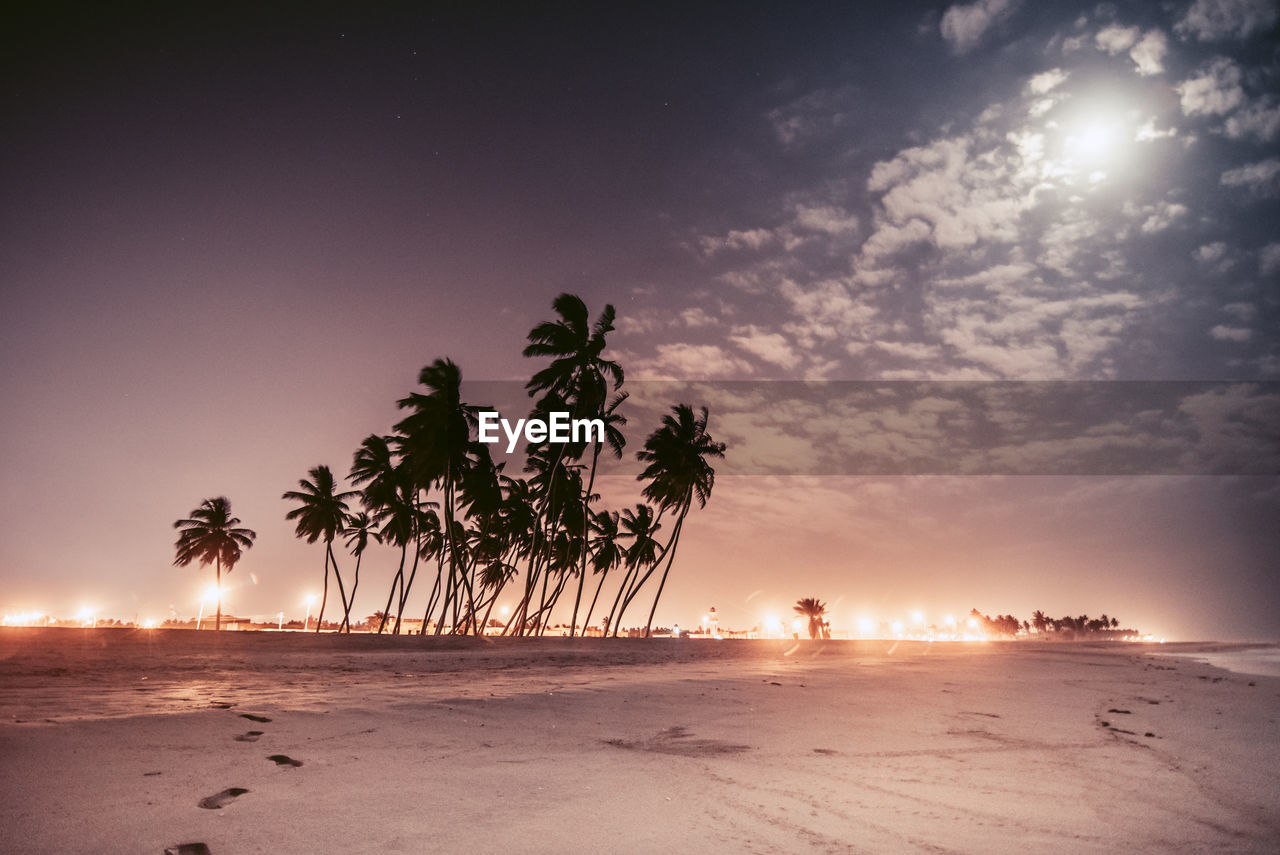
x=815, y=610
x=358, y=530
x=212, y=536
x=677, y=472
x=321, y=515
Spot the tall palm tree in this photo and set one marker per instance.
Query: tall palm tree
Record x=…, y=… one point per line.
x=438, y=448
x=606, y=552
x=640, y=527
x=576, y=380
x=613, y=422
x=678, y=471
x=212, y=536
x=815, y=610
x=358, y=530
x=321, y=515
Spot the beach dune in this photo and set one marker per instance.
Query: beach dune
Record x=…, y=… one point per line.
x=145, y=740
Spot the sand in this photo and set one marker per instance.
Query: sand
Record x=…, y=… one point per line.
x=110, y=740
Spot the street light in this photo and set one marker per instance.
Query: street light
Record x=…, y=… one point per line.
x=311, y=598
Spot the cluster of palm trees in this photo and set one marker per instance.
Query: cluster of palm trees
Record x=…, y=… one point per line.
x=431, y=490
x=1009, y=626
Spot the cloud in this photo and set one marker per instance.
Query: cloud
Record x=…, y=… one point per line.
x=1259, y=120
x=1215, y=20
x=1046, y=81
x=1215, y=91
x=957, y=199
x=1224, y=333
x=1269, y=259
x=1261, y=178
x=1115, y=38
x=829, y=219
x=683, y=361
x=1149, y=53
x=963, y=26
x=1158, y=217
x=812, y=116
x=751, y=239
x=771, y=347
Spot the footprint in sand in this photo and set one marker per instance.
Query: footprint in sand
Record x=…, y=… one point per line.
x=251, y=736
x=284, y=760
x=222, y=799
x=187, y=849
x=262, y=719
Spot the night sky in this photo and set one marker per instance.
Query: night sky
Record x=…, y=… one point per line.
x=232, y=236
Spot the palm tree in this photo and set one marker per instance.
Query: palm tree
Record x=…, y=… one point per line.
x=211, y=536
x=321, y=514
x=640, y=526
x=1039, y=621
x=358, y=530
x=606, y=552
x=613, y=421
x=438, y=449
x=677, y=471
x=577, y=380
x=815, y=610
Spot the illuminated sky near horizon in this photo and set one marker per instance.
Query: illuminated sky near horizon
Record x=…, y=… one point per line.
x=232, y=237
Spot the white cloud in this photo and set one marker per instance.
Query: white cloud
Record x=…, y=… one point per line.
x=958, y=199
x=1115, y=38
x=1046, y=81
x=1160, y=216
x=1215, y=91
x=1148, y=132
x=683, y=361
x=963, y=26
x=752, y=239
x=1210, y=252
x=771, y=347
x=1261, y=178
x=1149, y=53
x=1259, y=120
x=825, y=218
x=696, y=318
x=1224, y=333
x=1213, y=20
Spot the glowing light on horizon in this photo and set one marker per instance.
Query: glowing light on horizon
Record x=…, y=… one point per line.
x=917, y=617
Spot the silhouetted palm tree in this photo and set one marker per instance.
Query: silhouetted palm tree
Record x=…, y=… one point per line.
x=678, y=471
x=577, y=381
x=815, y=610
x=438, y=448
x=640, y=527
x=357, y=533
x=606, y=552
x=212, y=536
x=613, y=421
x=321, y=514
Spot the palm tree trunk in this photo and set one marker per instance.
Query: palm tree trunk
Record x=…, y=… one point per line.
x=399, y=577
x=346, y=609
x=586, y=538
x=586, y=622
x=671, y=557
x=218, y=570
x=325, y=597
x=355, y=584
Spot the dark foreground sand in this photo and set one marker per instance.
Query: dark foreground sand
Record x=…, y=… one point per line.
x=111, y=739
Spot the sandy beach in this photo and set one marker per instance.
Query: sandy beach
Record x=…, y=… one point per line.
x=112, y=740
